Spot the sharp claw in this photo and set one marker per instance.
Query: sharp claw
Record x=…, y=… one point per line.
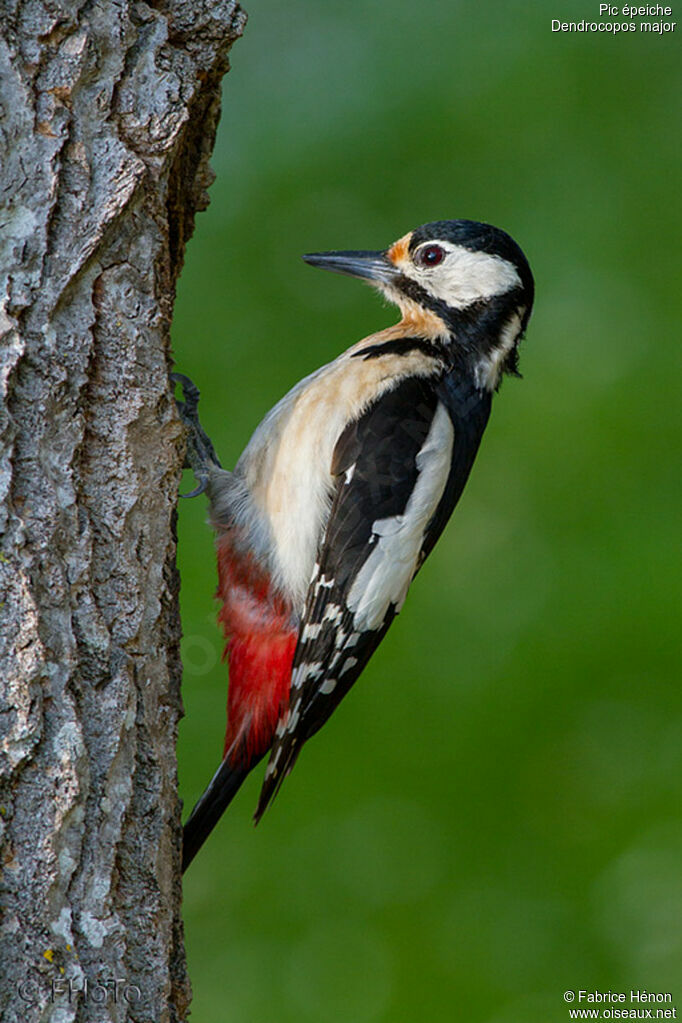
x=180, y=378
x=190, y=393
x=197, y=490
x=200, y=454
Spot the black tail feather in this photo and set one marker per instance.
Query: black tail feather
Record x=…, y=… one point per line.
x=222, y=789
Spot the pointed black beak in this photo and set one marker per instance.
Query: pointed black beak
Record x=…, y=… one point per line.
x=371, y=266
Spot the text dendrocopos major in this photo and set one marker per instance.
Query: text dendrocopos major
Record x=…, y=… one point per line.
x=345, y=487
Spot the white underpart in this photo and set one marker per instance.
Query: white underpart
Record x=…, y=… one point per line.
x=386, y=574
x=488, y=369
x=287, y=464
x=464, y=276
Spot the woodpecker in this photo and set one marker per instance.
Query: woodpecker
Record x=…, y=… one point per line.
x=346, y=485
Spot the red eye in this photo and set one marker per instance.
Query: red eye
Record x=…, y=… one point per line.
x=430, y=255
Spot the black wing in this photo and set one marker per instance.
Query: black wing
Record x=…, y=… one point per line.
x=399, y=470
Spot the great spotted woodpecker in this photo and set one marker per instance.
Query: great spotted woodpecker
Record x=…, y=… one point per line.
x=345, y=487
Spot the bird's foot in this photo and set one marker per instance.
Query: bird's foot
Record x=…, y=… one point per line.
x=200, y=454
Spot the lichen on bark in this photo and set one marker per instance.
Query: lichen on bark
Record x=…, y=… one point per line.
x=108, y=115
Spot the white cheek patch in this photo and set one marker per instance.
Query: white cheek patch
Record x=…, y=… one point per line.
x=465, y=277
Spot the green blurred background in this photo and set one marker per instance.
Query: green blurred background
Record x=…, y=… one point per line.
x=493, y=815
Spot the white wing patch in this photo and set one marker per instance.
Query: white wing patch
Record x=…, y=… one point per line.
x=386, y=574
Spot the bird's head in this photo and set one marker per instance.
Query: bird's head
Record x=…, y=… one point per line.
x=465, y=286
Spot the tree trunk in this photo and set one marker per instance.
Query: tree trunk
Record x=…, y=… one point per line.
x=107, y=118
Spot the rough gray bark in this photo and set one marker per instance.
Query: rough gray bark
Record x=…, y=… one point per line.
x=107, y=117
